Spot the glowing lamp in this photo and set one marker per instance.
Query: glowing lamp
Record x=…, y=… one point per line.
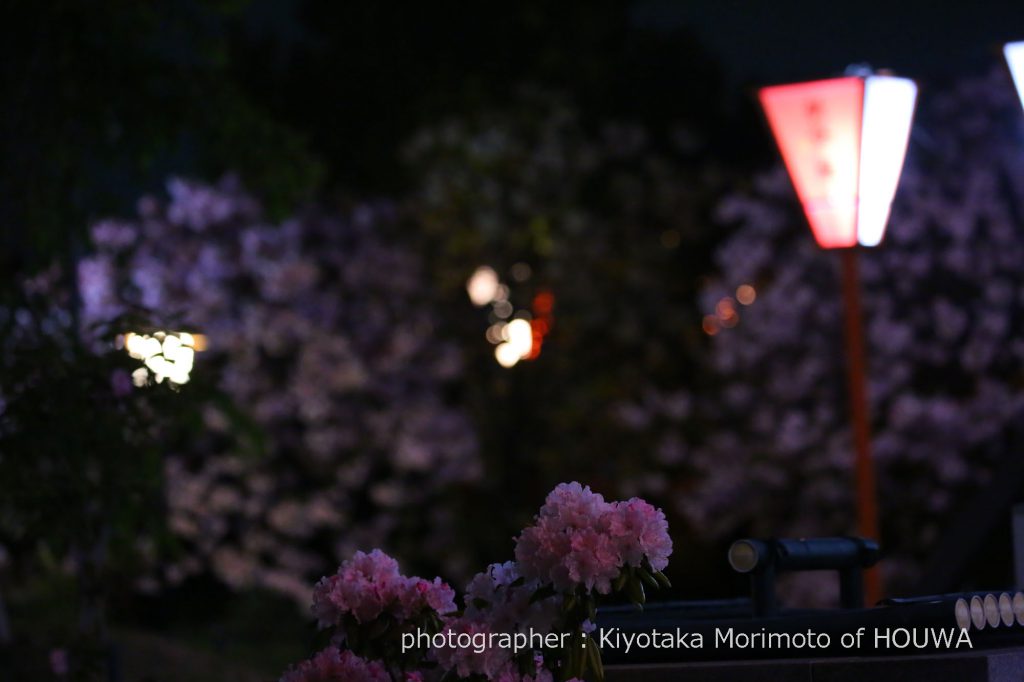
x=843, y=141
x=1015, y=58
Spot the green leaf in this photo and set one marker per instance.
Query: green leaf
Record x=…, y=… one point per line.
x=647, y=578
x=569, y=661
x=594, y=654
x=582, y=653
x=542, y=593
x=635, y=590
x=379, y=627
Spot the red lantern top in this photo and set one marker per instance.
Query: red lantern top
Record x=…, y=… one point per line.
x=843, y=141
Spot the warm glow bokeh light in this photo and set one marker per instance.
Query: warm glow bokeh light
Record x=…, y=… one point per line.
x=483, y=286
x=507, y=355
x=522, y=336
x=168, y=355
x=519, y=335
x=746, y=294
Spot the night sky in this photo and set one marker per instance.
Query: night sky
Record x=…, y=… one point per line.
x=113, y=98
x=359, y=77
x=778, y=41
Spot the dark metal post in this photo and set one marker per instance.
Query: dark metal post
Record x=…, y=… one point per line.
x=1018, y=545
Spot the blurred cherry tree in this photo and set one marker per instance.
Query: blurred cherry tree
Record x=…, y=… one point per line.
x=321, y=332
x=944, y=304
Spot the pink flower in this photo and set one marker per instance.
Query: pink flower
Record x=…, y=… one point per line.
x=573, y=504
x=468, y=661
x=368, y=585
x=495, y=598
x=579, y=539
x=564, y=547
x=641, y=531
x=333, y=665
x=495, y=604
x=326, y=609
x=437, y=594
x=595, y=560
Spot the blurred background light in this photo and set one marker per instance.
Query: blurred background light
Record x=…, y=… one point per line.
x=482, y=286
x=167, y=355
x=507, y=355
x=746, y=294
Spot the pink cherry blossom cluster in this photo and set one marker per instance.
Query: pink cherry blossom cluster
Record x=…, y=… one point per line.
x=503, y=596
x=579, y=544
x=492, y=662
x=332, y=665
x=368, y=585
x=498, y=599
x=579, y=539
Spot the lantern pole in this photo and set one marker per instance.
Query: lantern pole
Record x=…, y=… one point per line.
x=864, y=469
x=865, y=131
